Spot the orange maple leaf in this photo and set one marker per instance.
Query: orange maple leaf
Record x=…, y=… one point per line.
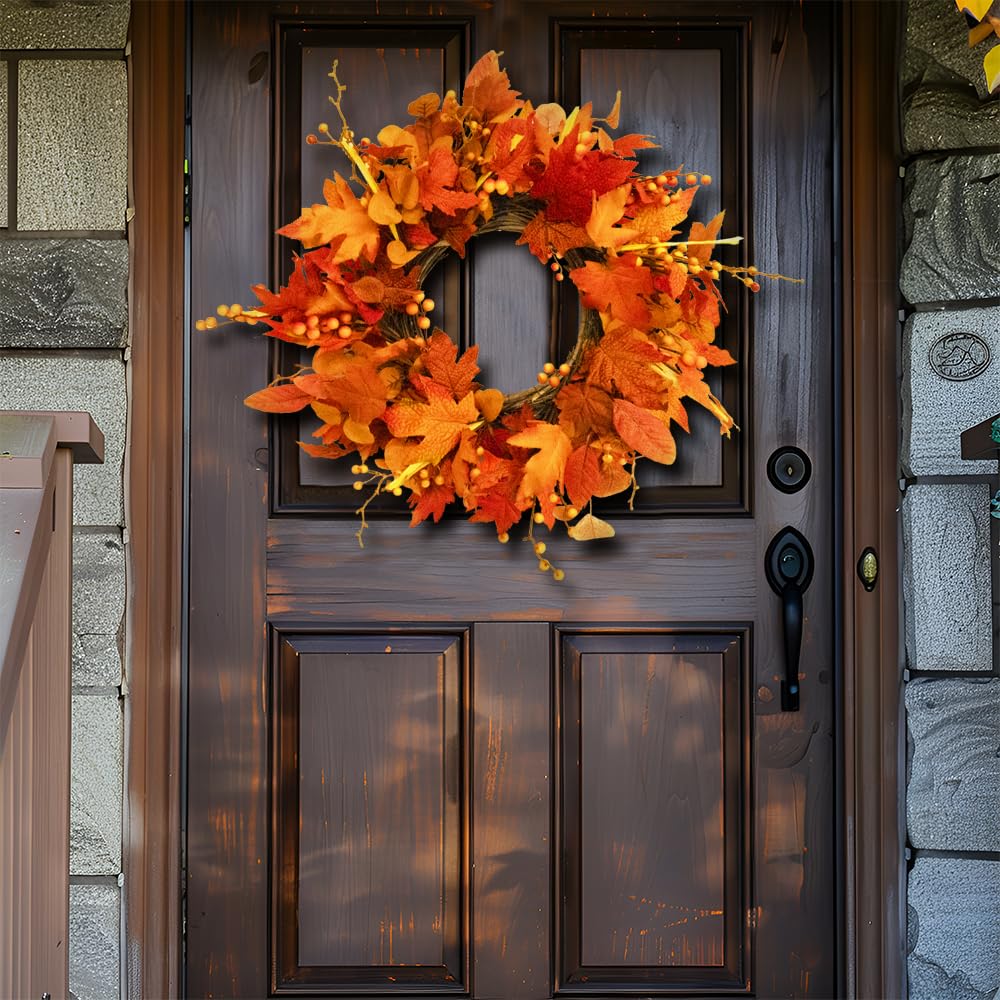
x=703, y=251
x=343, y=215
x=430, y=501
x=584, y=409
x=439, y=422
x=644, y=432
x=360, y=391
x=662, y=221
x=437, y=184
x=607, y=212
x=620, y=362
x=545, y=238
x=616, y=286
x=546, y=467
x=439, y=359
x=488, y=90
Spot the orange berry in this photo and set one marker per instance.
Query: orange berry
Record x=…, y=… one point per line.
x=419, y=296
x=427, y=305
x=691, y=179
x=580, y=149
x=553, y=380
x=311, y=139
x=298, y=329
x=424, y=323
x=346, y=317
x=755, y=287
x=490, y=186
x=607, y=459
x=554, y=266
x=706, y=178
x=701, y=361
x=571, y=512
x=439, y=480
x=312, y=322
x=661, y=179
x=689, y=358
x=222, y=310
x=502, y=187
x=542, y=378
x=480, y=450
x=313, y=333
x=650, y=185
x=560, y=276
x=476, y=473
x=412, y=309
x=564, y=369
x=503, y=538
x=554, y=498
x=548, y=368
x=344, y=332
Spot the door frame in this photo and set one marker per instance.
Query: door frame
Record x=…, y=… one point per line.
x=870, y=772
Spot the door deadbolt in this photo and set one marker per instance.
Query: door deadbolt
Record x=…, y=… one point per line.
x=789, y=469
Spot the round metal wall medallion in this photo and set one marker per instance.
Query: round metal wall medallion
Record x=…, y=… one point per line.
x=960, y=356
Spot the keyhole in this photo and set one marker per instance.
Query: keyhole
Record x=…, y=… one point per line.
x=791, y=563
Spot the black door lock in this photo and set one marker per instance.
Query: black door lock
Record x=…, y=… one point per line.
x=788, y=566
x=789, y=469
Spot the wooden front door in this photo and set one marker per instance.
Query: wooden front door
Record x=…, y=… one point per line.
x=423, y=766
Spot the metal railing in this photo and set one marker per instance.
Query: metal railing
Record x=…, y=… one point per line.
x=37, y=453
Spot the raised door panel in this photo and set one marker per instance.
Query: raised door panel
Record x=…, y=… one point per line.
x=369, y=812
x=654, y=779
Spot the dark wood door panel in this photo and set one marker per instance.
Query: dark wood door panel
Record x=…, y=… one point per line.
x=369, y=812
x=654, y=856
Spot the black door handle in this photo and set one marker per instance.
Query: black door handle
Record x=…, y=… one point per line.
x=788, y=566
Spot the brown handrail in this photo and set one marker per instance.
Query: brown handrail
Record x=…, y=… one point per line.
x=37, y=452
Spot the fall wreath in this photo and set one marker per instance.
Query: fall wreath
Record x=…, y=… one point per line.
x=390, y=387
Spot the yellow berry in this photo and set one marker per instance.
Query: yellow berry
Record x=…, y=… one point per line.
x=355, y=470
x=398, y=491
x=222, y=311
x=235, y=309
x=558, y=574
x=544, y=565
x=323, y=127
x=607, y=458
x=439, y=480
x=480, y=450
x=490, y=186
x=564, y=369
x=706, y=178
x=427, y=305
x=344, y=332
x=211, y=323
x=540, y=548
x=502, y=187
x=476, y=473
x=358, y=484
x=199, y=324
x=419, y=296
x=571, y=512
x=538, y=518
x=424, y=323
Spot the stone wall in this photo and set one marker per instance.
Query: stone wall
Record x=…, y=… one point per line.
x=950, y=281
x=63, y=345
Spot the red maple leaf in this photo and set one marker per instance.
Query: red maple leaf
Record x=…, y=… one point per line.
x=431, y=501
x=569, y=182
x=582, y=477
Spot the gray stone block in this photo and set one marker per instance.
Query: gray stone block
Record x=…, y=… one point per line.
x=63, y=293
x=936, y=410
x=96, y=661
x=945, y=117
x=946, y=577
x=952, y=229
x=94, y=382
x=72, y=153
x=936, y=49
x=955, y=905
x=95, y=846
x=953, y=793
x=69, y=24
x=94, y=936
x=98, y=581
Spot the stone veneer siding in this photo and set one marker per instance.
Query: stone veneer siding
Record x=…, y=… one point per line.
x=64, y=345
x=950, y=281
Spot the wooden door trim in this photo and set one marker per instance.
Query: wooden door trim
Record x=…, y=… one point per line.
x=155, y=498
x=871, y=826
x=872, y=772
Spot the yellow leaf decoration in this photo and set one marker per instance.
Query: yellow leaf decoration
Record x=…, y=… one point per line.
x=590, y=527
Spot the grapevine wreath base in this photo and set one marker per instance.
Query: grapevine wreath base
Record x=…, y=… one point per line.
x=391, y=388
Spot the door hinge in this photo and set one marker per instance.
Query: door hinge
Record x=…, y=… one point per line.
x=187, y=192
x=752, y=918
